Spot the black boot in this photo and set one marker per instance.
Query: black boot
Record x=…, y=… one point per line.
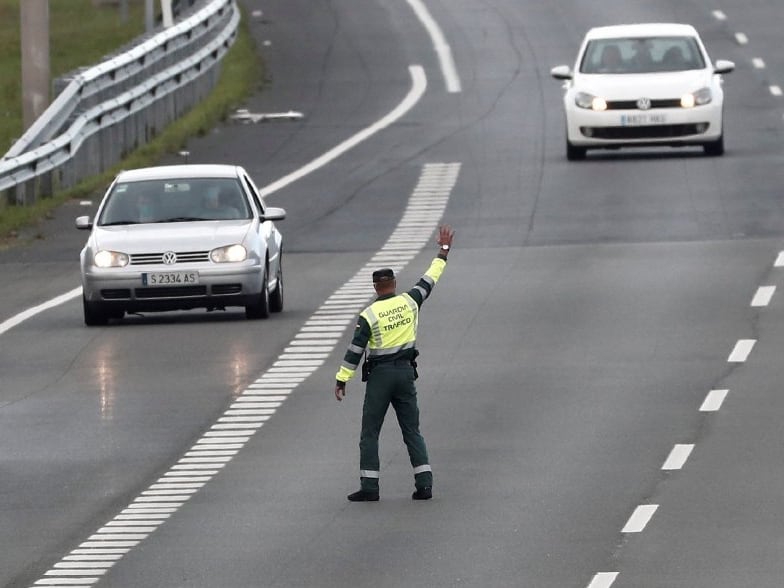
x=364, y=496
x=423, y=493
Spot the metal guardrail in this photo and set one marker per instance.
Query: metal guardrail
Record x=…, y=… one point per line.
x=108, y=110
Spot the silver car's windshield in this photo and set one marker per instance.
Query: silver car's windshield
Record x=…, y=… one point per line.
x=641, y=55
x=180, y=200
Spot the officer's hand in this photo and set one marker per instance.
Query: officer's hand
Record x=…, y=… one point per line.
x=445, y=235
x=340, y=391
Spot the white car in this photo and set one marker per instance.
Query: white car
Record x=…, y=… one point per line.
x=641, y=85
x=182, y=237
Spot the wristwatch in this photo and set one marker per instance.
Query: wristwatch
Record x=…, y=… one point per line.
x=444, y=247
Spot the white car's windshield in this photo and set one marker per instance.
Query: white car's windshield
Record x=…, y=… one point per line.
x=641, y=55
x=180, y=200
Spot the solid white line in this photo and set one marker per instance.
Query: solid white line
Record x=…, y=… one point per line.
x=763, y=295
x=603, y=580
x=30, y=312
x=418, y=86
x=713, y=400
x=741, y=351
x=640, y=518
x=677, y=457
x=442, y=48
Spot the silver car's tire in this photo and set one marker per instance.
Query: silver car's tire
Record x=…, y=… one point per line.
x=276, y=298
x=260, y=308
x=94, y=313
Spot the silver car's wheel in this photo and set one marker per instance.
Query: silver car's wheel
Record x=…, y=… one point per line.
x=94, y=313
x=259, y=309
x=276, y=298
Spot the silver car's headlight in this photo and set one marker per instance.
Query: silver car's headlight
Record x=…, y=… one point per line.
x=698, y=98
x=589, y=101
x=229, y=253
x=105, y=258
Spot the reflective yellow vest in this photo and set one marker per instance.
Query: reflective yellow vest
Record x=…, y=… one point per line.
x=393, y=325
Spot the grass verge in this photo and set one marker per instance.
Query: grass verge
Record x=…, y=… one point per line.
x=241, y=74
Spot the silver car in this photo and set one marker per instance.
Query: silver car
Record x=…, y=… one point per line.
x=182, y=237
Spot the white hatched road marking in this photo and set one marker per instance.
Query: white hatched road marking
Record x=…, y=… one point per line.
x=603, y=580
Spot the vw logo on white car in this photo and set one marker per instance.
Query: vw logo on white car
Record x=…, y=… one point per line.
x=170, y=258
x=644, y=103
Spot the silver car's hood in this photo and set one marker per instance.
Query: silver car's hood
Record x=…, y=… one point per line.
x=185, y=236
x=633, y=86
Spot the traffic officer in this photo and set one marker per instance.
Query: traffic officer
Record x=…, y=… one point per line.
x=387, y=331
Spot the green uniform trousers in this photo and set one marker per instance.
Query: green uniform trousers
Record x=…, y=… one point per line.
x=391, y=383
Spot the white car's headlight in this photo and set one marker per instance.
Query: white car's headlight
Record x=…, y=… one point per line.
x=105, y=258
x=698, y=98
x=589, y=101
x=229, y=253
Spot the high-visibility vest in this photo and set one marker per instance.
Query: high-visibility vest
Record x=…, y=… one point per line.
x=393, y=325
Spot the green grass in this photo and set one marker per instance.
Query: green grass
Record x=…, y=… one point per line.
x=241, y=74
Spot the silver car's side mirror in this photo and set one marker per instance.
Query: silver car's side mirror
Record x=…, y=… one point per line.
x=561, y=72
x=272, y=213
x=84, y=223
x=723, y=66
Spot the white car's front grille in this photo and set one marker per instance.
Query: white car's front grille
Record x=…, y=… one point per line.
x=179, y=257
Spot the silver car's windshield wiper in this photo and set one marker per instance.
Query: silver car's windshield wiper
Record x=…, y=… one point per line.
x=180, y=219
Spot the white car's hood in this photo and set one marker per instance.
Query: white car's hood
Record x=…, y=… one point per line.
x=158, y=238
x=633, y=86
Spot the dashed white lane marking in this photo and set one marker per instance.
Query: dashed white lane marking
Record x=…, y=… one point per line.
x=719, y=15
x=758, y=63
x=741, y=38
x=713, y=400
x=779, y=260
x=640, y=518
x=259, y=402
x=741, y=351
x=442, y=48
x=678, y=456
x=603, y=580
x=763, y=295
x=776, y=90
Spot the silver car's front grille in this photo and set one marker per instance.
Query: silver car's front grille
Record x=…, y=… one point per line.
x=158, y=258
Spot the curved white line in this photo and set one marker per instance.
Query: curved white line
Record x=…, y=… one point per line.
x=418, y=86
x=23, y=316
x=443, y=50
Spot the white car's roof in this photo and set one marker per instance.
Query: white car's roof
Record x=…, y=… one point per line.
x=642, y=30
x=165, y=172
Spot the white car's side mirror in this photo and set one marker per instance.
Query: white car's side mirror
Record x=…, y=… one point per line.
x=723, y=66
x=272, y=213
x=84, y=223
x=561, y=72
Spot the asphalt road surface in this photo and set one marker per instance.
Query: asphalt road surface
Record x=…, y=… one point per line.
x=600, y=371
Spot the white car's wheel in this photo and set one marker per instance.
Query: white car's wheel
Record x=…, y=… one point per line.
x=94, y=313
x=574, y=153
x=714, y=148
